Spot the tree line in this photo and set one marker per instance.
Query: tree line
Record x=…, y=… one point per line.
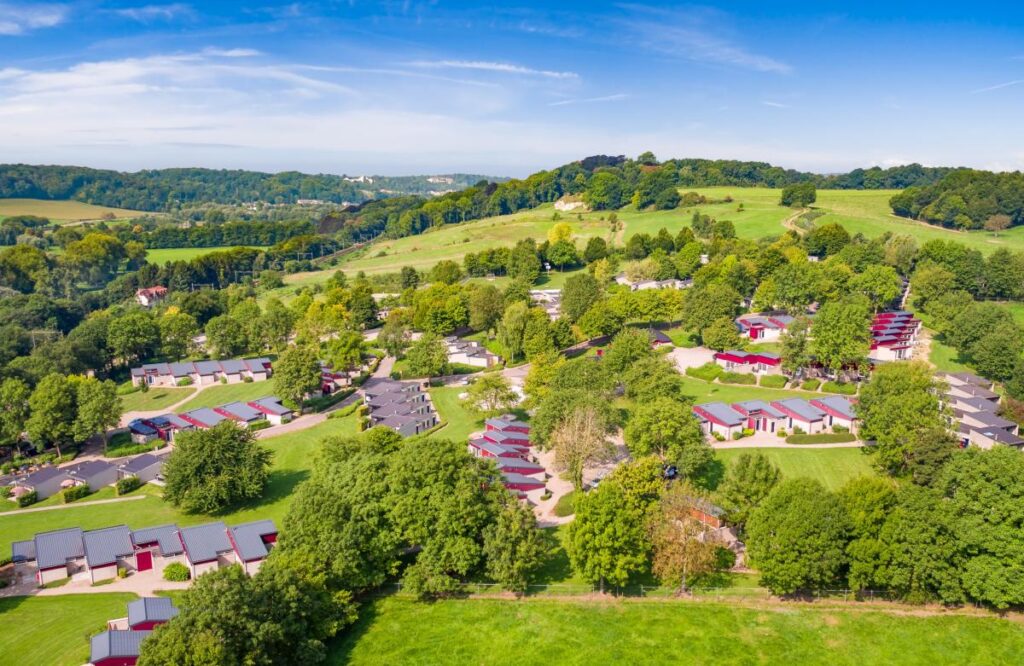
x=966, y=199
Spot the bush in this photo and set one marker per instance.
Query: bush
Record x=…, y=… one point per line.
x=738, y=435
x=396, y=375
x=709, y=372
x=718, y=436
x=797, y=430
x=144, y=388
x=846, y=388
x=126, y=389
x=260, y=425
x=127, y=484
x=748, y=432
x=839, y=428
x=781, y=432
x=810, y=385
x=122, y=572
x=223, y=380
x=184, y=381
x=176, y=572
x=5, y=492
x=773, y=381
x=821, y=438
x=725, y=559
x=737, y=378
x=247, y=380
x=75, y=492
x=28, y=498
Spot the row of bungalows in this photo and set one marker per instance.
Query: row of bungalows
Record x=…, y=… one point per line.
x=641, y=285
x=811, y=416
x=506, y=441
x=470, y=352
x=120, y=644
x=549, y=300
x=48, y=481
x=764, y=327
x=759, y=363
x=974, y=406
x=402, y=406
x=166, y=426
x=98, y=554
x=893, y=336
x=202, y=373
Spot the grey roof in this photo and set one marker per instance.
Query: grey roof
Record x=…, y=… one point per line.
x=968, y=377
x=106, y=545
x=54, y=549
x=248, y=539
x=759, y=406
x=839, y=404
x=512, y=477
x=139, y=463
x=207, y=367
x=707, y=507
x=116, y=644
x=257, y=364
x=204, y=542
x=507, y=421
x=379, y=385
x=722, y=412
x=999, y=435
x=89, y=469
x=977, y=391
x=166, y=536
x=658, y=336
x=991, y=420
x=272, y=405
x=42, y=475
x=243, y=411
x=140, y=426
x=23, y=551
x=500, y=436
x=233, y=367
x=171, y=420
x=150, y=609
x=205, y=415
x=802, y=408
x=492, y=448
x=181, y=369
x=397, y=421
x=519, y=463
x=979, y=404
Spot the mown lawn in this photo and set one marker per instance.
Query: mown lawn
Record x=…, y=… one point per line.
x=154, y=398
x=55, y=631
x=294, y=456
x=702, y=391
x=833, y=467
x=164, y=255
x=946, y=358
x=483, y=631
x=460, y=420
x=221, y=394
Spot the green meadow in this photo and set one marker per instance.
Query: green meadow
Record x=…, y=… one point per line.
x=167, y=254
x=63, y=211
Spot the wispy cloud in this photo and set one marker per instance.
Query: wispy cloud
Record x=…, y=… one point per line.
x=231, y=53
x=151, y=13
x=618, y=97
x=998, y=86
x=775, y=105
x=17, y=19
x=502, y=67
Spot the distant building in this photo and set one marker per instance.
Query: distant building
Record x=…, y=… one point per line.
x=150, y=296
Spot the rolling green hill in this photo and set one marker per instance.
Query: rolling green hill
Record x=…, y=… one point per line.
x=62, y=211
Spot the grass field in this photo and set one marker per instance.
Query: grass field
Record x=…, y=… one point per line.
x=154, y=398
x=460, y=421
x=164, y=255
x=221, y=394
x=480, y=631
x=293, y=458
x=703, y=391
x=833, y=467
x=62, y=211
x=55, y=631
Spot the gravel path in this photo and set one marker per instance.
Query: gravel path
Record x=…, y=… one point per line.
x=133, y=498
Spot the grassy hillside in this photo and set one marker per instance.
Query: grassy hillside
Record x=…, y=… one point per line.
x=62, y=211
x=164, y=255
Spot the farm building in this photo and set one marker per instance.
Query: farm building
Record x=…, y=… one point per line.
x=150, y=296
x=760, y=363
x=116, y=648
x=202, y=373
x=764, y=327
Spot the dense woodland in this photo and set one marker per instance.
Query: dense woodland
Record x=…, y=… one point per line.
x=966, y=199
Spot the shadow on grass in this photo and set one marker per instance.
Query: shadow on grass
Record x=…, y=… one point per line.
x=339, y=649
x=712, y=475
x=281, y=484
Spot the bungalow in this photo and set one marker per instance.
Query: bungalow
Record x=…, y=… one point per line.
x=401, y=406
x=658, y=338
x=116, y=648
x=801, y=414
x=838, y=411
x=146, y=467
x=640, y=285
x=765, y=327
x=410, y=425
x=274, y=411
x=203, y=418
x=241, y=412
x=971, y=404
x=202, y=372
x=167, y=426
x=156, y=547
x=23, y=551
x=762, y=363
x=893, y=335
x=707, y=513
x=507, y=423
x=46, y=481
x=146, y=613
x=141, y=432
x=252, y=543
x=760, y=416
x=518, y=466
x=988, y=420
x=986, y=438
x=207, y=547
x=470, y=352
x=972, y=391
x=107, y=549
x=964, y=379
x=59, y=554
x=93, y=473
x=519, y=483
x=481, y=448
x=259, y=368
x=234, y=371
x=206, y=372
x=508, y=438
x=150, y=296
x=719, y=418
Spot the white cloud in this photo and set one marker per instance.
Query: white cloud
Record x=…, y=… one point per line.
x=618, y=97
x=17, y=19
x=503, y=67
x=231, y=53
x=998, y=86
x=775, y=105
x=151, y=13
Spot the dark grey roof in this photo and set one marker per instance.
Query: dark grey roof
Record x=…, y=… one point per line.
x=258, y=364
x=171, y=420
x=104, y=546
x=492, y=448
x=722, y=412
x=150, y=609
x=999, y=435
x=116, y=644
x=23, y=551
x=207, y=367
x=204, y=542
x=500, y=436
x=519, y=463
x=54, y=549
x=243, y=411
x=506, y=421
x=181, y=369
x=42, y=475
x=839, y=404
x=139, y=463
x=272, y=405
x=512, y=477
x=991, y=420
x=205, y=415
x=968, y=377
x=233, y=367
x=89, y=469
x=802, y=408
x=166, y=536
x=141, y=427
x=759, y=406
x=248, y=539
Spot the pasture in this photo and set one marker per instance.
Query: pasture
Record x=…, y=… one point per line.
x=168, y=254
x=64, y=212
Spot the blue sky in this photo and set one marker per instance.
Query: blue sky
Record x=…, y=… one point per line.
x=507, y=89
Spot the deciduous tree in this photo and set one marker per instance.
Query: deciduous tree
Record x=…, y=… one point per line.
x=607, y=542
x=748, y=481
x=682, y=549
x=297, y=373
x=579, y=440
x=491, y=394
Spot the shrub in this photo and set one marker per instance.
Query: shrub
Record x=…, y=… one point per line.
x=546, y=496
x=797, y=430
x=845, y=388
x=810, y=385
x=247, y=380
x=259, y=425
x=5, y=492
x=223, y=380
x=708, y=372
x=719, y=436
x=781, y=432
x=176, y=572
x=839, y=428
x=75, y=492
x=738, y=435
x=28, y=498
x=122, y=572
x=184, y=381
x=737, y=378
x=144, y=388
x=821, y=438
x=725, y=559
x=127, y=484
x=773, y=381
x=748, y=432
x=396, y=375
x=125, y=389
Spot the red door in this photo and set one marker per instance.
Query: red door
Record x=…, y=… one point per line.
x=144, y=560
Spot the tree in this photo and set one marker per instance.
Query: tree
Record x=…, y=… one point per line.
x=133, y=336
x=605, y=191
x=226, y=336
x=512, y=329
x=538, y=380
x=579, y=440
x=559, y=232
x=797, y=537
x=668, y=428
x=14, y=410
x=177, y=330
x=681, y=548
x=523, y=262
x=799, y=194
x=606, y=542
x=409, y=277
x=705, y=305
x=596, y=249
x=842, y=335
x=297, y=373
x=578, y=295
x=211, y=470
x=53, y=410
x=880, y=284
x=563, y=254
x=929, y=282
x=603, y=318
x=99, y=408
x=868, y=502
x=748, y=481
x=394, y=336
x=491, y=395
x=486, y=306
x=446, y=271
x=629, y=347
x=345, y=351
x=721, y=334
x=826, y=239
x=997, y=223
x=898, y=402
x=428, y=357
x=796, y=345
x=927, y=454
x=515, y=549
x=996, y=353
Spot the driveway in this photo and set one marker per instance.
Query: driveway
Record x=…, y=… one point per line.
x=691, y=357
